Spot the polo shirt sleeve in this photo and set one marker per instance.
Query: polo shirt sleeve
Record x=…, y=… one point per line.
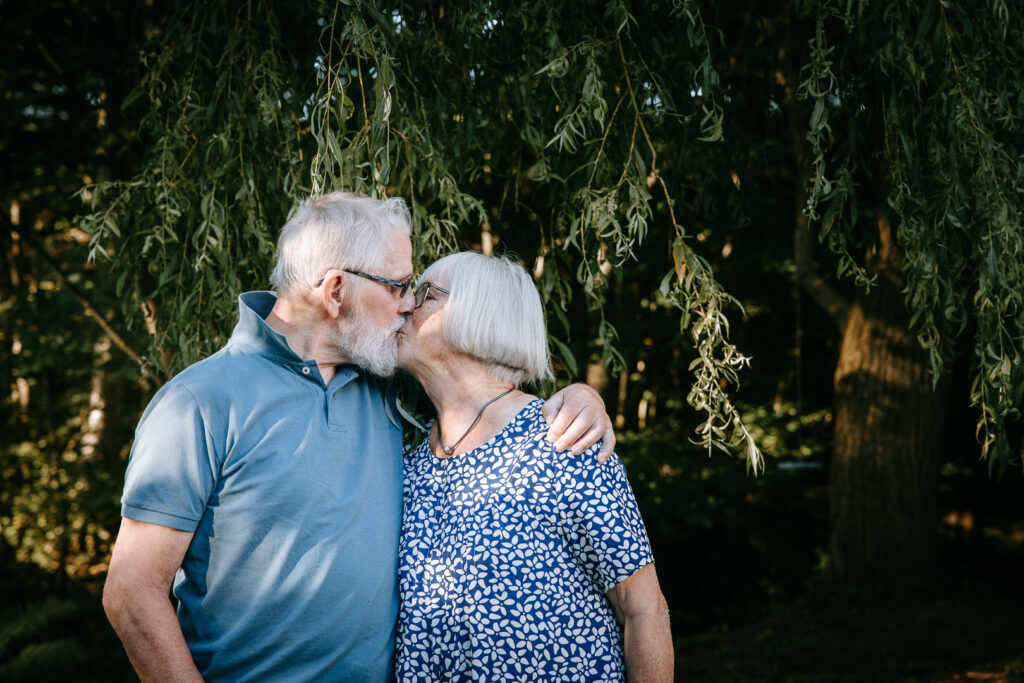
x=601, y=520
x=172, y=469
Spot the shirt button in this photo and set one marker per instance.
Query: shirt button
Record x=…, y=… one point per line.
x=305, y=370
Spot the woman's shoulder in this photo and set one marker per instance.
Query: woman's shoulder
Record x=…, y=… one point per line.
x=527, y=431
x=529, y=420
x=530, y=429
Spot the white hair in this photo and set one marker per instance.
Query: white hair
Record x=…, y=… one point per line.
x=337, y=230
x=494, y=313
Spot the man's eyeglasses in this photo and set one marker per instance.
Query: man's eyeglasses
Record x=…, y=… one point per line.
x=420, y=295
x=399, y=286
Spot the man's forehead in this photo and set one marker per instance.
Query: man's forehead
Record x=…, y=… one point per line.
x=399, y=251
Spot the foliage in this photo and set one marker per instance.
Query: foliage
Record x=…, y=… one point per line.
x=70, y=396
x=422, y=102
x=222, y=117
x=785, y=433
x=726, y=538
x=61, y=462
x=584, y=125
x=59, y=639
x=640, y=158
x=939, y=83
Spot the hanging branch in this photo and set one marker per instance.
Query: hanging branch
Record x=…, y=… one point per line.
x=810, y=280
x=702, y=301
x=87, y=306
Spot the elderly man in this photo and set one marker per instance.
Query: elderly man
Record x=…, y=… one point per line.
x=265, y=481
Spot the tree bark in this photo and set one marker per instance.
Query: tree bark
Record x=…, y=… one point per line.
x=888, y=431
x=884, y=471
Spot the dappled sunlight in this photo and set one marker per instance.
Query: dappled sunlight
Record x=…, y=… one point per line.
x=759, y=230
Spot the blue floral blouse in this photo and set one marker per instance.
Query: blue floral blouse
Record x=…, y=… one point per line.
x=507, y=552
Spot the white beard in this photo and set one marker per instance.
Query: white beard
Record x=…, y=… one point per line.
x=372, y=347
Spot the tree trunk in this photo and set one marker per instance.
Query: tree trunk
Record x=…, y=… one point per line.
x=888, y=424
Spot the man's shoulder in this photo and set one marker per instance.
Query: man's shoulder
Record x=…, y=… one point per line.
x=223, y=373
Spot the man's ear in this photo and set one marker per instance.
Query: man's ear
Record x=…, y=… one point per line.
x=332, y=293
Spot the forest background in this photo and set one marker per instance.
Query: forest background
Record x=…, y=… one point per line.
x=784, y=240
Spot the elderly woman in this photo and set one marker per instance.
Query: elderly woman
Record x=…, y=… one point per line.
x=517, y=562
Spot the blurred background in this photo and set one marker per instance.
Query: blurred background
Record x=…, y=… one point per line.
x=797, y=226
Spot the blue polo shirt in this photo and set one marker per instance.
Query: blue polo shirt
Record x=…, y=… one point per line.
x=293, y=491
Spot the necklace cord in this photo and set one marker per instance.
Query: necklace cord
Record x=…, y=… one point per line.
x=449, y=449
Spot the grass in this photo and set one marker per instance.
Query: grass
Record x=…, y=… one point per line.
x=825, y=637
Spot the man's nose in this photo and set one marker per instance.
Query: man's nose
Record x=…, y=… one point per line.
x=407, y=304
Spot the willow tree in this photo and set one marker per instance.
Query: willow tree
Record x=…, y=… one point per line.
x=68, y=374
x=914, y=144
x=577, y=132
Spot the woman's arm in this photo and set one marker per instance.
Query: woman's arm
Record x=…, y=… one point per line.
x=605, y=533
x=640, y=608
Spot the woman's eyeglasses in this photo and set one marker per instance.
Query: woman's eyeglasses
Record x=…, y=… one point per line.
x=420, y=294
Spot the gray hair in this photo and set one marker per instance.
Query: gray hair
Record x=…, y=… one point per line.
x=337, y=230
x=493, y=313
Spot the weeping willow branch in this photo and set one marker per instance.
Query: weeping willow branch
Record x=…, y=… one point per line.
x=905, y=105
x=698, y=294
x=79, y=295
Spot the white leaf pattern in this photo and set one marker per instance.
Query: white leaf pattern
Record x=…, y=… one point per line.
x=507, y=552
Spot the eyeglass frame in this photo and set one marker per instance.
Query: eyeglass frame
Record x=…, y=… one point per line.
x=403, y=287
x=424, y=287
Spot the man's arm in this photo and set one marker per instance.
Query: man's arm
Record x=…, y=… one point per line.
x=640, y=608
x=576, y=417
x=136, y=598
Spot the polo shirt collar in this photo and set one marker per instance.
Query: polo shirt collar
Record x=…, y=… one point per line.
x=253, y=332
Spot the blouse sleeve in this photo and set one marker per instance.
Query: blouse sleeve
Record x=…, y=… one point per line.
x=601, y=521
